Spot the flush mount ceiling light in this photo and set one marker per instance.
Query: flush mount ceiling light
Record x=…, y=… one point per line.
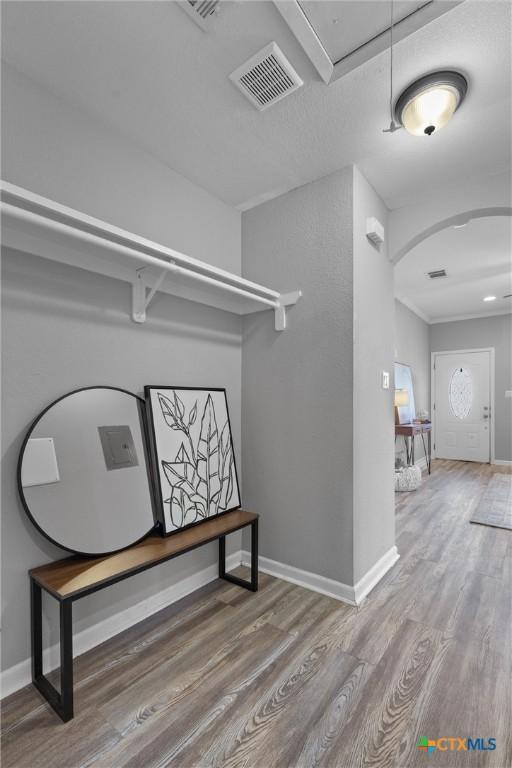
x=490, y=298
x=430, y=102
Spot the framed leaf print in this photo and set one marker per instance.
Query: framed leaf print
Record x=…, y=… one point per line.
x=192, y=455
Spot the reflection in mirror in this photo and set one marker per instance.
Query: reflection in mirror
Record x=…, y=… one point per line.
x=403, y=382
x=83, y=475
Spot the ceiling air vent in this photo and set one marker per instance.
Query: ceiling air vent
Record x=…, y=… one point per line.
x=266, y=77
x=200, y=11
x=436, y=273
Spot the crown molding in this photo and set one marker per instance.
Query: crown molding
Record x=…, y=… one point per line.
x=456, y=318
x=412, y=306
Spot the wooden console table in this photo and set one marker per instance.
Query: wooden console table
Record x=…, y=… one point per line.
x=74, y=577
x=409, y=432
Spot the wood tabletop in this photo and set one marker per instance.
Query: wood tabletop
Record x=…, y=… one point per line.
x=412, y=429
x=76, y=576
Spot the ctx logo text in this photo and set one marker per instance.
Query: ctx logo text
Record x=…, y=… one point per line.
x=456, y=744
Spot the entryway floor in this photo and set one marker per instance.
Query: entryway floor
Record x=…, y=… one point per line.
x=287, y=677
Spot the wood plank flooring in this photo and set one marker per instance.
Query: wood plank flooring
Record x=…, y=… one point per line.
x=287, y=678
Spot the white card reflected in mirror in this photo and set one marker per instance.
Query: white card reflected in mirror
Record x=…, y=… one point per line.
x=39, y=462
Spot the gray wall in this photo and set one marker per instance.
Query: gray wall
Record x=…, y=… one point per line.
x=65, y=328
x=55, y=150
x=313, y=394
x=485, y=332
x=412, y=347
x=297, y=385
x=374, y=503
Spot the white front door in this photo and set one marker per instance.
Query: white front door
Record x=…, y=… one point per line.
x=462, y=405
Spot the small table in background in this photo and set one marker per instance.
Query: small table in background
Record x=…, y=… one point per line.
x=409, y=432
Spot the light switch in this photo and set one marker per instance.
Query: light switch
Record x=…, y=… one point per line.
x=39, y=465
x=385, y=379
x=508, y=393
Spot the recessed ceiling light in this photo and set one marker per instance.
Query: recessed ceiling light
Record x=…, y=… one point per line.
x=430, y=102
x=490, y=298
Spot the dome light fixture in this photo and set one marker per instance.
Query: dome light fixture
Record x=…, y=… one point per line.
x=429, y=103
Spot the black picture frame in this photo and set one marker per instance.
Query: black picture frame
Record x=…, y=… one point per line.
x=156, y=459
x=145, y=440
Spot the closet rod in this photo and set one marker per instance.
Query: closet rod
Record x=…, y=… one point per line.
x=153, y=261
x=26, y=200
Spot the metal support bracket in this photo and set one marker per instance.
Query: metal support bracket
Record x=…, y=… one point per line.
x=140, y=302
x=285, y=300
x=62, y=702
x=253, y=583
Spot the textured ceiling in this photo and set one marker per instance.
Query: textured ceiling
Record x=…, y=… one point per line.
x=477, y=260
x=150, y=73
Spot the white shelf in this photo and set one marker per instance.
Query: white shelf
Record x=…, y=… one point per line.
x=34, y=224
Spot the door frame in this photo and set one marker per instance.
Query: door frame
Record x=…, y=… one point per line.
x=433, y=356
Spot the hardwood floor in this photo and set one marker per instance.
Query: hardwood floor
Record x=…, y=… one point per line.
x=287, y=677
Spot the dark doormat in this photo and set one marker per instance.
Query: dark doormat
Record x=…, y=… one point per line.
x=495, y=506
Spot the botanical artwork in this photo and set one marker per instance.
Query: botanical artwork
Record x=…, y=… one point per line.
x=193, y=449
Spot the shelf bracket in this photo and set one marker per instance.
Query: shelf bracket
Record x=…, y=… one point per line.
x=140, y=302
x=285, y=300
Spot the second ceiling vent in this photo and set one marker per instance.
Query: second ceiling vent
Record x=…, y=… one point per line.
x=266, y=77
x=200, y=11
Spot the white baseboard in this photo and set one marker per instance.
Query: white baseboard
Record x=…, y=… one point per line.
x=16, y=677
x=353, y=595
x=314, y=581
x=502, y=462
x=372, y=577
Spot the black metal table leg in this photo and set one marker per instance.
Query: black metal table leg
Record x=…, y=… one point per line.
x=222, y=557
x=66, y=659
x=427, y=453
x=254, y=556
x=253, y=583
x=36, y=635
x=407, y=452
x=61, y=702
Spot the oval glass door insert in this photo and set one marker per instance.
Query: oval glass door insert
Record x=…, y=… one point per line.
x=460, y=394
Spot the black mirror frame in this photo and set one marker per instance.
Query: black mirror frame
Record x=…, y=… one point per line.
x=144, y=427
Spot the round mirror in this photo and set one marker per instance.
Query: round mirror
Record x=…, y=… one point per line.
x=83, y=474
